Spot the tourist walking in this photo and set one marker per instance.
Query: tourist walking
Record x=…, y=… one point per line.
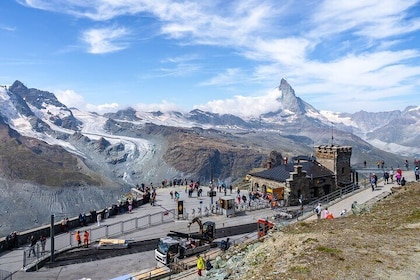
x=43, y=241
x=32, y=243
x=386, y=177
x=325, y=213
x=398, y=177
x=373, y=181
x=318, y=212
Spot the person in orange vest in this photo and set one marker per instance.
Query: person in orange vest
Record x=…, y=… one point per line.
x=86, y=238
x=78, y=238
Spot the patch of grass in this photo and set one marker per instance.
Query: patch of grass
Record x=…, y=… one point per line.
x=328, y=250
x=300, y=269
x=310, y=240
x=413, y=216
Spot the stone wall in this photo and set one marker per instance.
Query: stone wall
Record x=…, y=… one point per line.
x=299, y=185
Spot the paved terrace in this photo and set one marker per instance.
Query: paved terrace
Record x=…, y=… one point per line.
x=365, y=195
x=12, y=261
x=110, y=268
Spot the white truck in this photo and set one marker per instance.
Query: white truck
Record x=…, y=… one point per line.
x=180, y=245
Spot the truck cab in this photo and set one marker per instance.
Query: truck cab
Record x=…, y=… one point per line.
x=166, y=250
x=170, y=248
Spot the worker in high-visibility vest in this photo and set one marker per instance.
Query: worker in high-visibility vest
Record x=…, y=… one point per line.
x=78, y=238
x=201, y=264
x=86, y=238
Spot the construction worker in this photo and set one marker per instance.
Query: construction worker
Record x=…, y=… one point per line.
x=86, y=238
x=78, y=238
x=201, y=264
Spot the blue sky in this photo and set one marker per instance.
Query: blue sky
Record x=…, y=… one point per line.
x=221, y=56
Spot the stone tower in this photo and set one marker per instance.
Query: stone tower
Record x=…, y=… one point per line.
x=336, y=159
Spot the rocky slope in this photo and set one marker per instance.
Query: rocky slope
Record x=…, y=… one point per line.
x=25, y=205
x=383, y=243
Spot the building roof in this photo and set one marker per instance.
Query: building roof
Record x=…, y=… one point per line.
x=282, y=172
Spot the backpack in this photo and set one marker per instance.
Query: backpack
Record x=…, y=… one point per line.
x=317, y=210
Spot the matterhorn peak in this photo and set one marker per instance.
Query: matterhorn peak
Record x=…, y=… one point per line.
x=288, y=98
x=284, y=83
x=286, y=90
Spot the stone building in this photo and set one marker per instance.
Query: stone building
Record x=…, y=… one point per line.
x=305, y=178
x=336, y=159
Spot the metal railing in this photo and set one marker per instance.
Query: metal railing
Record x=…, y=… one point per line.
x=67, y=240
x=334, y=196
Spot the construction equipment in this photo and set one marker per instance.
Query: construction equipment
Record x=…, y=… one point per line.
x=178, y=245
x=207, y=230
x=263, y=226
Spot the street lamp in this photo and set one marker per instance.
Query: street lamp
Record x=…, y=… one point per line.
x=52, y=237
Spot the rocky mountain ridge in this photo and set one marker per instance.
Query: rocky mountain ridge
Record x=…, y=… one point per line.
x=39, y=114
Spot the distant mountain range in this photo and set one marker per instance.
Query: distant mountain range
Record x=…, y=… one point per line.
x=55, y=159
x=133, y=139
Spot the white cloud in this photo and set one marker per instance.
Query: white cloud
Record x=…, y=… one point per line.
x=7, y=28
x=180, y=59
x=245, y=106
x=103, y=108
x=72, y=99
x=373, y=19
x=288, y=51
x=105, y=40
x=229, y=77
x=179, y=66
x=178, y=70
